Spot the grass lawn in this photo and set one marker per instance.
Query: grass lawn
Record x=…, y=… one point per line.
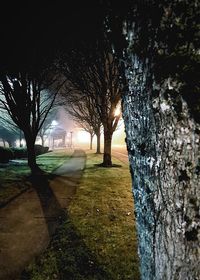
x=98, y=239
x=13, y=179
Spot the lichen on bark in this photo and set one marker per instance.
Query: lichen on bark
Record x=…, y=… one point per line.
x=163, y=147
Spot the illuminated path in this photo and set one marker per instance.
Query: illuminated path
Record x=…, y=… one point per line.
x=27, y=223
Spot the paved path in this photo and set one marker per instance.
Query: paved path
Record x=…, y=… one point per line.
x=28, y=222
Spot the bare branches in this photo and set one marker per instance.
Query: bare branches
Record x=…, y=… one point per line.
x=96, y=76
x=82, y=110
x=94, y=80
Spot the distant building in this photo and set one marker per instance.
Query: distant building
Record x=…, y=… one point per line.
x=57, y=138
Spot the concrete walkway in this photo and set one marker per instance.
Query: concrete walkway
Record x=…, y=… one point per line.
x=28, y=222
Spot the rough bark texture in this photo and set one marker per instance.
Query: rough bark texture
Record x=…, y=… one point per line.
x=163, y=147
x=30, y=142
x=107, y=162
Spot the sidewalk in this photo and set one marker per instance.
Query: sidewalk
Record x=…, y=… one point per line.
x=28, y=222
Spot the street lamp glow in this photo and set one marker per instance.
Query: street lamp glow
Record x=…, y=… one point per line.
x=83, y=137
x=117, y=111
x=54, y=123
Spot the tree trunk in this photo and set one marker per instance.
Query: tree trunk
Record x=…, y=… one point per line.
x=10, y=144
x=98, y=134
x=30, y=143
x=163, y=147
x=91, y=139
x=107, y=161
x=42, y=139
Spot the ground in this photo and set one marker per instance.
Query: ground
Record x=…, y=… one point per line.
x=94, y=238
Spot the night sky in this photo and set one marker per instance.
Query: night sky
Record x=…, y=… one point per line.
x=39, y=29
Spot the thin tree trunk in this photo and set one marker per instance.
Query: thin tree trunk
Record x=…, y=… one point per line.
x=20, y=138
x=10, y=144
x=42, y=139
x=107, y=160
x=91, y=139
x=98, y=134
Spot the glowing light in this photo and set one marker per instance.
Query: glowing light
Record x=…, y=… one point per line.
x=117, y=111
x=54, y=123
x=83, y=137
x=119, y=134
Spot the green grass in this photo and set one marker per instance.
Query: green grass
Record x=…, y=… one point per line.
x=97, y=240
x=13, y=179
x=52, y=160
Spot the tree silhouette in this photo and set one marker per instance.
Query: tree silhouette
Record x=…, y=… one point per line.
x=81, y=107
x=94, y=72
x=27, y=99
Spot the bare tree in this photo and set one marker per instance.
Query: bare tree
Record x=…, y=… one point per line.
x=8, y=135
x=94, y=72
x=47, y=124
x=9, y=132
x=28, y=99
x=83, y=111
x=88, y=129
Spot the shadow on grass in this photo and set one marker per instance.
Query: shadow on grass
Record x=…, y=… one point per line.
x=52, y=210
x=9, y=194
x=96, y=166
x=106, y=166
x=67, y=256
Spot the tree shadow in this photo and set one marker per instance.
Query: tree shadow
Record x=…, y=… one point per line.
x=52, y=210
x=101, y=165
x=72, y=257
x=108, y=166
x=69, y=257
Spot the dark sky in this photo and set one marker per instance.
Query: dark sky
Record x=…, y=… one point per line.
x=42, y=28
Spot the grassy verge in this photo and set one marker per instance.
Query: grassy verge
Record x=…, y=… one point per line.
x=97, y=240
x=13, y=179
x=52, y=160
